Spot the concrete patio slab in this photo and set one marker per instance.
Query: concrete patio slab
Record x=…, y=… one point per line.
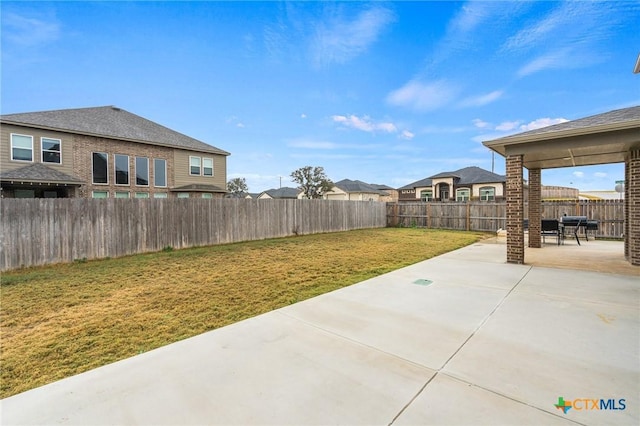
x=449, y=401
x=477, y=341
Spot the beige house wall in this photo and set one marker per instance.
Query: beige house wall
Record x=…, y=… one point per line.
x=66, y=147
x=182, y=167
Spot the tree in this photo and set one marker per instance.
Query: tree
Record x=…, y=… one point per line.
x=237, y=186
x=312, y=181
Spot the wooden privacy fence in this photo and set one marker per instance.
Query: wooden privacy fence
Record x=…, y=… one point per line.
x=487, y=216
x=42, y=231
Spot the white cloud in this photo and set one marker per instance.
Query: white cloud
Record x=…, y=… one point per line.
x=303, y=115
x=480, y=124
x=338, y=39
x=407, y=135
x=311, y=144
x=578, y=174
x=422, y=96
x=542, y=122
x=506, y=126
x=29, y=31
x=600, y=174
x=365, y=123
x=551, y=60
x=482, y=99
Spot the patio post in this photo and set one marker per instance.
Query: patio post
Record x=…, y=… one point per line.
x=632, y=204
x=535, y=207
x=515, y=210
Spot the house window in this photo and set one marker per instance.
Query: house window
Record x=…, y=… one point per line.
x=183, y=195
x=462, y=194
x=122, y=194
x=100, y=164
x=142, y=171
x=207, y=195
x=487, y=193
x=21, y=147
x=100, y=194
x=142, y=195
x=194, y=166
x=159, y=172
x=426, y=195
x=24, y=193
x=122, y=169
x=160, y=195
x=207, y=166
x=51, y=152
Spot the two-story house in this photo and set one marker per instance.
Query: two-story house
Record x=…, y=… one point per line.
x=104, y=152
x=469, y=183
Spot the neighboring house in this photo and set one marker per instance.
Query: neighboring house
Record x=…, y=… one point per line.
x=104, y=152
x=281, y=193
x=601, y=195
x=469, y=183
x=355, y=190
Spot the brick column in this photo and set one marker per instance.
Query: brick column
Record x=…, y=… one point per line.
x=515, y=210
x=632, y=213
x=535, y=208
x=625, y=225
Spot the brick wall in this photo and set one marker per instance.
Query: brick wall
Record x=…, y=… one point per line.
x=84, y=146
x=632, y=212
x=535, y=206
x=515, y=210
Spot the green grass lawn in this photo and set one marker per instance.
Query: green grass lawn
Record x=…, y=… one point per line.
x=60, y=320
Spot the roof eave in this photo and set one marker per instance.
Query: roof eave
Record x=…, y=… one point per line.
x=97, y=135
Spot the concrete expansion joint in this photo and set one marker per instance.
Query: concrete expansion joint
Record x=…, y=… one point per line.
x=440, y=370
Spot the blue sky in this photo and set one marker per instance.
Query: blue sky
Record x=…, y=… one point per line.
x=383, y=92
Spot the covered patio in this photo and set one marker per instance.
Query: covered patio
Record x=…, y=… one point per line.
x=611, y=137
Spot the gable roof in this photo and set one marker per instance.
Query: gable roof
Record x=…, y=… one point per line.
x=284, y=192
x=464, y=176
x=38, y=172
x=109, y=122
x=351, y=186
x=471, y=175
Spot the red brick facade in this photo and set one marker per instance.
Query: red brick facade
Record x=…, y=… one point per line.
x=632, y=207
x=535, y=219
x=515, y=210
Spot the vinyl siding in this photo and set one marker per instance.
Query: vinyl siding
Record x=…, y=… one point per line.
x=181, y=169
x=6, y=164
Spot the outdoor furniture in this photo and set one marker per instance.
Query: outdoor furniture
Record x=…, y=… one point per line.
x=575, y=222
x=551, y=227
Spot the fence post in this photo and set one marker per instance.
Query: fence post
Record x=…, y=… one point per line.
x=429, y=215
x=468, y=216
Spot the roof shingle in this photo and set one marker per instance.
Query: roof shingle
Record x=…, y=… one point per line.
x=110, y=122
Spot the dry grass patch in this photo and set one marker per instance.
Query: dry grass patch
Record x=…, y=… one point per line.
x=60, y=320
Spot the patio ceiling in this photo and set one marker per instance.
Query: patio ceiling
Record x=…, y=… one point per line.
x=600, y=139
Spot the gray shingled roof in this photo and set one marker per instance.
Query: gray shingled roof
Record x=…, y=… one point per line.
x=418, y=184
x=38, y=172
x=284, y=192
x=608, y=118
x=110, y=122
x=464, y=176
x=471, y=175
x=199, y=187
x=351, y=186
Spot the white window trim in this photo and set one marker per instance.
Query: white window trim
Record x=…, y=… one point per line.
x=212, y=168
x=493, y=197
x=200, y=166
x=430, y=198
x=26, y=136
x=42, y=150
x=142, y=195
x=93, y=182
x=115, y=171
x=135, y=169
x=467, y=195
x=165, y=173
x=122, y=192
x=160, y=195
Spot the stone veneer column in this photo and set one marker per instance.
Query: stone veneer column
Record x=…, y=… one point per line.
x=535, y=208
x=632, y=202
x=515, y=210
